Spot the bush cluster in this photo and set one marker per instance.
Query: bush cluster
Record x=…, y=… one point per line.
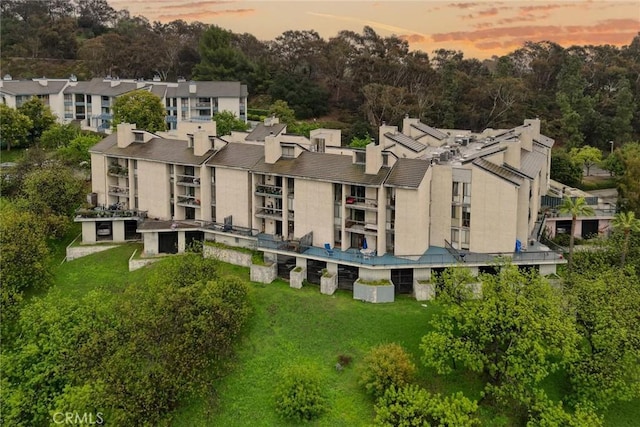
x=384, y=366
x=299, y=394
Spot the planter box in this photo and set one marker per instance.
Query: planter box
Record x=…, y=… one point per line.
x=297, y=277
x=227, y=255
x=423, y=291
x=373, y=293
x=263, y=273
x=328, y=284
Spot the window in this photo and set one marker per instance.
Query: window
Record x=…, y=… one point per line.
x=337, y=192
x=455, y=191
x=189, y=171
x=454, y=212
x=455, y=235
x=466, y=216
x=288, y=151
x=361, y=157
x=138, y=137
x=466, y=189
x=385, y=159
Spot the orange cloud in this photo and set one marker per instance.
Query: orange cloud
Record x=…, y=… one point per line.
x=203, y=16
x=488, y=12
x=413, y=38
x=196, y=4
x=464, y=5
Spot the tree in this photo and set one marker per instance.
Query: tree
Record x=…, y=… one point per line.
x=226, y=121
x=627, y=223
x=606, y=303
x=41, y=117
x=14, y=127
x=586, y=156
x=564, y=169
x=59, y=135
x=515, y=335
x=24, y=255
x=54, y=193
x=413, y=406
x=575, y=206
x=142, y=108
x=360, y=142
x=299, y=394
x=306, y=97
x=220, y=60
x=76, y=152
x=628, y=182
x=283, y=112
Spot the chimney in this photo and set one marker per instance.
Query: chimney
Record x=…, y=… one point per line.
x=373, y=161
x=272, y=149
x=513, y=153
x=201, y=143
x=385, y=129
x=192, y=87
x=125, y=134
x=406, y=125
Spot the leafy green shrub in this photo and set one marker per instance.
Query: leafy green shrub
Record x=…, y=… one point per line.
x=185, y=270
x=299, y=394
x=414, y=406
x=384, y=366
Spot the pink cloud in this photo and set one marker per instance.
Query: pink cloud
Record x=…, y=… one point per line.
x=413, y=38
x=203, y=16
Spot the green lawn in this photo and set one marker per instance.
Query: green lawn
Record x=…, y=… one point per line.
x=292, y=326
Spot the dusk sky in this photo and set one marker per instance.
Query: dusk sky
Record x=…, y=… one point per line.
x=480, y=29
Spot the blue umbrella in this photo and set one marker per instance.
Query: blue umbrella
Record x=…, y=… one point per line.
x=364, y=243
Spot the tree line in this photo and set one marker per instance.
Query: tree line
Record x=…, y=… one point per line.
x=585, y=95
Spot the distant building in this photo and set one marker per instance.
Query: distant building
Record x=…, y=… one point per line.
x=418, y=201
x=89, y=103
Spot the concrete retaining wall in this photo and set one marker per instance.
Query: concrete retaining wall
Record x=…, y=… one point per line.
x=227, y=255
x=328, y=284
x=135, y=264
x=371, y=293
x=423, y=291
x=296, y=278
x=264, y=273
x=74, y=252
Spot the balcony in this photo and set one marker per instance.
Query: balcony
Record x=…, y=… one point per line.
x=188, y=181
x=188, y=201
x=201, y=118
x=171, y=119
x=118, y=191
x=268, y=191
x=363, y=203
x=203, y=105
x=361, y=227
x=118, y=170
x=100, y=212
x=269, y=212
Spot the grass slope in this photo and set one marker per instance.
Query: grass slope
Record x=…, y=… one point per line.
x=290, y=326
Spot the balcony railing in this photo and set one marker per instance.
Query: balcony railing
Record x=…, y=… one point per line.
x=188, y=201
x=356, y=202
x=361, y=227
x=188, y=181
x=268, y=212
x=268, y=190
x=115, y=190
x=118, y=170
x=203, y=104
x=111, y=213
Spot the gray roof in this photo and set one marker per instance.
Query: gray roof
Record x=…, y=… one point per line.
x=323, y=167
x=544, y=140
x=260, y=132
x=431, y=131
x=98, y=86
x=407, y=173
x=237, y=155
x=406, y=141
x=211, y=89
x=157, y=149
x=499, y=171
x=30, y=87
x=531, y=163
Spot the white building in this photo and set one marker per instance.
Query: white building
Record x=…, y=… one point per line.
x=420, y=200
x=89, y=103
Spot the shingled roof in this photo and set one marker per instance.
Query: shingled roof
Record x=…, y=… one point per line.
x=407, y=173
x=499, y=171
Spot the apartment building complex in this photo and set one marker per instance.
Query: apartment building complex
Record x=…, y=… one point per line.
x=89, y=103
x=419, y=200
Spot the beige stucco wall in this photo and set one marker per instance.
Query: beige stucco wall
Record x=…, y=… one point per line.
x=314, y=210
x=493, y=213
x=412, y=219
x=233, y=196
x=99, y=168
x=154, y=189
x=522, y=232
x=440, y=227
x=229, y=104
